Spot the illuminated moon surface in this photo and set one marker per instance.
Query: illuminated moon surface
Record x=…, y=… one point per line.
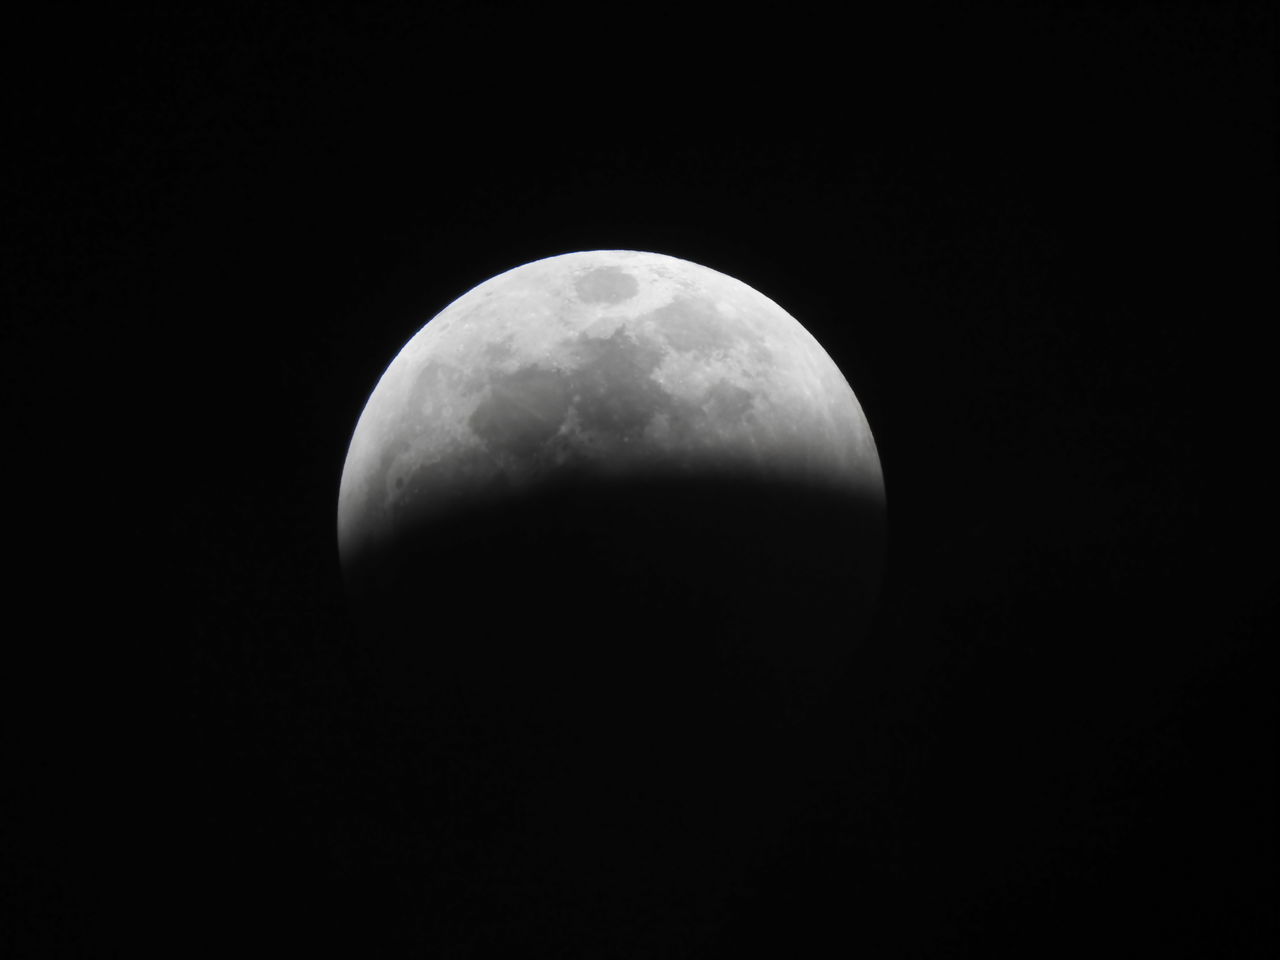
x=570, y=431
x=609, y=361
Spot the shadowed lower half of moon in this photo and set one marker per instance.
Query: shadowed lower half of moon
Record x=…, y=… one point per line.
x=605, y=599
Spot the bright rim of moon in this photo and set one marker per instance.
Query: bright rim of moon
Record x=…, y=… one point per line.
x=609, y=362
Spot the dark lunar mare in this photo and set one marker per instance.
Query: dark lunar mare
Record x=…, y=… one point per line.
x=617, y=671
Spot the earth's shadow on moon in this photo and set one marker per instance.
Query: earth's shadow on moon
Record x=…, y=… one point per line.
x=647, y=606
x=617, y=664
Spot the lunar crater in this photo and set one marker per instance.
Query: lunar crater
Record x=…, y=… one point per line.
x=610, y=285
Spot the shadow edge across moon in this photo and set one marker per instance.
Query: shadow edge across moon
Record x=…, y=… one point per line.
x=638, y=604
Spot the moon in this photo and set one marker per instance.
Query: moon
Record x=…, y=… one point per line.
x=612, y=465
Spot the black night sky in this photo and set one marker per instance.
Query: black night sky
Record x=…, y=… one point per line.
x=1040, y=241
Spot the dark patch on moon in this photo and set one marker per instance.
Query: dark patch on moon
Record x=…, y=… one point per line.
x=692, y=325
x=614, y=385
x=613, y=395
x=429, y=383
x=499, y=350
x=525, y=409
x=728, y=403
x=606, y=285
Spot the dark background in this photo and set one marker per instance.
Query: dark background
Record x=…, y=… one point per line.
x=1040, y=242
